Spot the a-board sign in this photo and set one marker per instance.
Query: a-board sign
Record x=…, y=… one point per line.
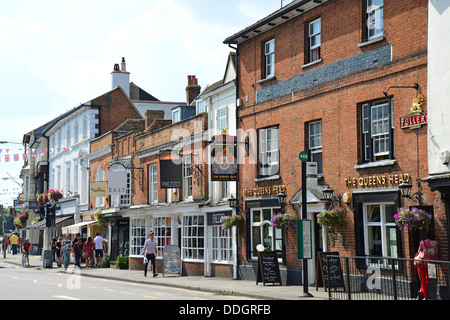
x=171, y=260
x=330, y=270
x=268, y=270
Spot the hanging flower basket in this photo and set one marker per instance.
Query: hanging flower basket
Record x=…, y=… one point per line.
x=329, y=219
x=42, y=199
x=17, y=223
x=285, y=220
x=54, y=195
x=102, y=221
x=230, y=221
x=412, y=219
x=23, y=217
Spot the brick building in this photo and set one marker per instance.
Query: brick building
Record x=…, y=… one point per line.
x=335, y=79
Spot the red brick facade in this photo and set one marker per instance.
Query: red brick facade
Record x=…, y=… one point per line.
x=337, y=103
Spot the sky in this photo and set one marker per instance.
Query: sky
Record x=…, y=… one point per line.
x=55, y=55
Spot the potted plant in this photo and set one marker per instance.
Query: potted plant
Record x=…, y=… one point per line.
x=230, y=221
x=54, y=195
x=285, y=220
x=106, y=262
x=330, y=219
x=122, y=262
x=412, y=219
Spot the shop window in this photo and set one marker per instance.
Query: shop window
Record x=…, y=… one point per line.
x=162, y=228
x=269, y=151
x=263, y=233
x=193, y=237
x=380, y=232
x=137, y=236
x=374, y=19
x=221, y=244
x=377, y=131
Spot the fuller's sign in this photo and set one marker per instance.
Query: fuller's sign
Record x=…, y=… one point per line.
x=414, y=121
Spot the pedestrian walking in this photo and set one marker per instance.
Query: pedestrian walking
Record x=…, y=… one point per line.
x=58, y=247
x=99, y=248
x=149, y=252
x=66, y=249
x=88, y=249
x=78, y=252
x=5, y=244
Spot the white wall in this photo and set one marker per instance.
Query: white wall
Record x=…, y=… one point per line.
x=438, y=99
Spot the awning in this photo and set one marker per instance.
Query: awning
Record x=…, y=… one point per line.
x=75, y=228
x=41, y=224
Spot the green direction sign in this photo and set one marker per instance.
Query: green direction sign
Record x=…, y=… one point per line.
x=303, y=156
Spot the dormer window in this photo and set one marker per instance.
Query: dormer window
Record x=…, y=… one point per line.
x=176, y=115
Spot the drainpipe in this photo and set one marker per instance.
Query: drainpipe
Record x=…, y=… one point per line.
x=236, y=261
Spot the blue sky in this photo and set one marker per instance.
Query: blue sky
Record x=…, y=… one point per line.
x=56, y=54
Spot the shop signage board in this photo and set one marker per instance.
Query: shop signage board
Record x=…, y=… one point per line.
x=170, y=174
x=97, y=189
x=330, y=270
x=304, y=239
x=117, y=183
x=268, y=270
x=414, y=121
x=171, y=260
x=224, y=166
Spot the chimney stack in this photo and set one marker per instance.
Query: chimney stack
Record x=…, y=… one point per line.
x=192, y=89
x=121, y=77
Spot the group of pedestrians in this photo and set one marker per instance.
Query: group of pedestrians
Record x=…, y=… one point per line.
x=10, y=243
x=91, y=250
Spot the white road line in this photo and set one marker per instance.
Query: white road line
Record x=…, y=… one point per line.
x=66, y=297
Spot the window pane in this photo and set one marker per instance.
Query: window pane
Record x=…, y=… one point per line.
x=256, y=216
x=373, y=213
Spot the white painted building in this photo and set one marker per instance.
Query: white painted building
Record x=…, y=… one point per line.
x=219, y=101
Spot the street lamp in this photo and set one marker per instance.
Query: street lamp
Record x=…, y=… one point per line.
x=328, y=194
x=282, y=201
x=405, y=190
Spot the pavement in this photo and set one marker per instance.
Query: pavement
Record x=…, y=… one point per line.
x=244, y=288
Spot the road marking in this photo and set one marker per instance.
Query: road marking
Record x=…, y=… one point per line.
x=132, y=294
x=66, y=297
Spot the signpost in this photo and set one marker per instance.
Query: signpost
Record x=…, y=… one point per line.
x=303, y=156
x=304, y=239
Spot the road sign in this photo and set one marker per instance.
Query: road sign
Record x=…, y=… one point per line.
x=303, y=156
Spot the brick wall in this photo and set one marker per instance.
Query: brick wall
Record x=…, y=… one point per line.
x=332, y=91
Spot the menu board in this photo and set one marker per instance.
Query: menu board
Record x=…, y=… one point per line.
x=268, y=270
x=171, y=260
x=329, y=266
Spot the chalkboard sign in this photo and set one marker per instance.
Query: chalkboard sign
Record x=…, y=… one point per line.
x=268, y=270
x=329, y=266
x=171, y=260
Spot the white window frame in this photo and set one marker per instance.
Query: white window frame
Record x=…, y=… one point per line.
x=187, y=168
x=384, y=226
x=314, y=40
x=269, y=58
x=221, y=119
x=260, y=225
x=269, y=151
x=221, y=245
x=176, y=115
x=162, y=228
x=100, y=177
x=374, y=18
x=315, y=142
x=201, y=106
x=194, y=237
x=138, y=231
x=376, y=130
x=153, y=183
